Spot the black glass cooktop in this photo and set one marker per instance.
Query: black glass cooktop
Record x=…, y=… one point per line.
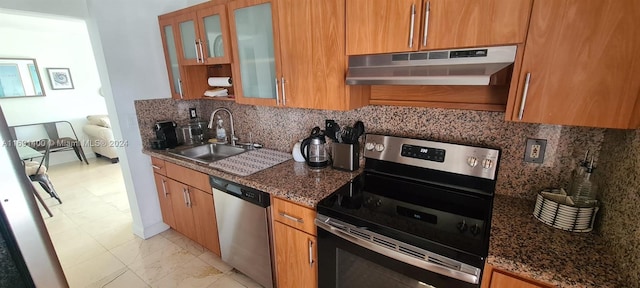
x=440, y=219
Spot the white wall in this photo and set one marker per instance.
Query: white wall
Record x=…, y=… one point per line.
x=69, y=8
x=126, y=42
x=130, y=58
x=54, y=42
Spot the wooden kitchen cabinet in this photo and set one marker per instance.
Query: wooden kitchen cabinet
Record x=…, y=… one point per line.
x=388, y=26
x=187, y=203
x=171, y=56
x=182, y=210
x=295, y=253
x=202, y=35
x=256, y=51
x=195, y=39
x=294, y=244
x=166, y=207
x=580, y=65
x=496, y=278
x=204, y=216
x=298, y=54
x=188, y=176
x=314, y=64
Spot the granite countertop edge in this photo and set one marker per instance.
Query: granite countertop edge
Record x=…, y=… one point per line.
x=523, y=245
x=517, y=242
x=289, y=180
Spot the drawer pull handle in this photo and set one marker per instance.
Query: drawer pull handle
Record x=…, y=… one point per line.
x=296, y=219
x=156, y=167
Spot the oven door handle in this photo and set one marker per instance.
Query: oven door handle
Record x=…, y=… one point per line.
x=399, y=256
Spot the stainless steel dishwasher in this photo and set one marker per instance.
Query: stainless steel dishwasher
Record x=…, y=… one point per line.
x=243, y=215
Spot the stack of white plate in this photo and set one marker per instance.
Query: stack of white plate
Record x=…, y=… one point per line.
x=565, y=217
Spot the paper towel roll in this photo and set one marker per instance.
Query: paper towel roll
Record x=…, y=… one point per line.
x=220, y=81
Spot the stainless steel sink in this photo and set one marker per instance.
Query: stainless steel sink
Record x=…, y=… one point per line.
x=208, y=152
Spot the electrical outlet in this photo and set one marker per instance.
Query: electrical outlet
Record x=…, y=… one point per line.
x=192, y=113
x=534, y=151
x=329, y=125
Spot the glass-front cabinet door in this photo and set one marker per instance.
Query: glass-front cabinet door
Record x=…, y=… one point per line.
x=187, y=35
x=171, y=57
x=214, y=35
x=252, y=25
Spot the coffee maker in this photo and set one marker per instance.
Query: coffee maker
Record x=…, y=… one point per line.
x=313, y=149
x=165, y=135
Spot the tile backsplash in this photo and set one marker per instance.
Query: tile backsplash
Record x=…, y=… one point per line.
x=280, y=128
x=618, y=173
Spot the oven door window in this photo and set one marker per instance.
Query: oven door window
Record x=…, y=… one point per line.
x=342, y=264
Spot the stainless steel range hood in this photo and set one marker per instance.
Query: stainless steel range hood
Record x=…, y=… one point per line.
x=473, y=66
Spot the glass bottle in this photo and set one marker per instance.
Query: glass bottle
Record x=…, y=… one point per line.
x=578, y=173
x=584, y=189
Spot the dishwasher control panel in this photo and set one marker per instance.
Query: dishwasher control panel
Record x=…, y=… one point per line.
x=248, y=194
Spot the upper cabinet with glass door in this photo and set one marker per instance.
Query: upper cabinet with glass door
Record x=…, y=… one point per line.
x=203, y=35
x=255, y=42
x=171, y=56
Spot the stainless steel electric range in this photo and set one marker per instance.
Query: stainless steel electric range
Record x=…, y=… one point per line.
x=418, y=216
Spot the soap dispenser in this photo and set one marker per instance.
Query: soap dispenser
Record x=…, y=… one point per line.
x=221, y=134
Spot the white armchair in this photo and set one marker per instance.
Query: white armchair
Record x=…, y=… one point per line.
x=98, y=129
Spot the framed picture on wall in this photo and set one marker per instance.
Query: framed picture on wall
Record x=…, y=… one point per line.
x=60, y=78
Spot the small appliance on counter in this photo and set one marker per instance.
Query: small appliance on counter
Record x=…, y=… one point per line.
x=345, y=149
x=345, y=156
x=165, y=135
x=314, y=151
x=192, y=133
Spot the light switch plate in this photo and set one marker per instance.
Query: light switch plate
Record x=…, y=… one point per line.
x=192, y=113
x=534, y=151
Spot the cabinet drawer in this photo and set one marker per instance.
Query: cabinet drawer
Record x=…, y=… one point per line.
x=158, y=166
x=187, y=176
x=294, y=215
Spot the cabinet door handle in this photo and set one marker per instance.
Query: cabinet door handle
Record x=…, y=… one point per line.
x=277, y=93
x=524, y=96
x=189, y=204
x=284, y=93
x=413, y=22
x=427, y=10
x=201, y=50
x=296, y=219
x=164, y=188
x=184, y=196
x=180, y=88
x=195, y=46
x=310, y=253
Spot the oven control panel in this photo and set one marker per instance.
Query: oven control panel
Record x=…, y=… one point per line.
x=448, y=157
x=424, y=153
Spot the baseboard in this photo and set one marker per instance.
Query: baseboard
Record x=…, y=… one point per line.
x=150, y=231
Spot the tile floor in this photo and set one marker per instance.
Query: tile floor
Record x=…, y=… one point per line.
x=91, y=233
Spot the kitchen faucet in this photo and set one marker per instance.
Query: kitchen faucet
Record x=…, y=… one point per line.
x=210, y=126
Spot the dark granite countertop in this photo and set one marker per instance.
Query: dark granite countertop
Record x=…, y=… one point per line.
x=288, y=180
x=522, y=244
x=519, y=243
